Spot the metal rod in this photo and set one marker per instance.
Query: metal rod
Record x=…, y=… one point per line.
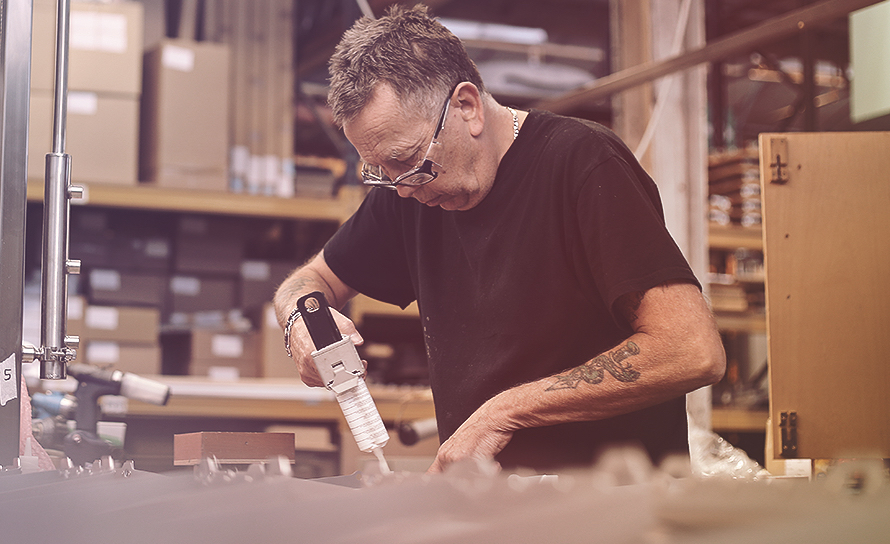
x=739, y=42
x=54, y=353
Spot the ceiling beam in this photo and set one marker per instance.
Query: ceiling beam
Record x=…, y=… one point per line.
x=739, y=42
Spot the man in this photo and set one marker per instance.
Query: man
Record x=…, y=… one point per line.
x=559, y=316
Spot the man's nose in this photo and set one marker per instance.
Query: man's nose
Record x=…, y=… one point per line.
x=406, y=191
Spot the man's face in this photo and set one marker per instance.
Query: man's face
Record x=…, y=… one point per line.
x=386, y=135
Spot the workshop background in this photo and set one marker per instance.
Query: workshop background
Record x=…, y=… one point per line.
x=211, y=169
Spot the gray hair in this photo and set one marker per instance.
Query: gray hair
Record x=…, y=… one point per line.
x=407, y=49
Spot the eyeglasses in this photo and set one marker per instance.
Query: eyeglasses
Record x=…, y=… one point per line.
x=417, y=176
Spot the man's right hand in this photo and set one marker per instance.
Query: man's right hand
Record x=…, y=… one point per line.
x=301, y=346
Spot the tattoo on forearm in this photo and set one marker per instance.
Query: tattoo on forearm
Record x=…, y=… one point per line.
x=592, y=371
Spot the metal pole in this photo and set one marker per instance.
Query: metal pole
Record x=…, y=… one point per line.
x=15, y=82
x=55, y=348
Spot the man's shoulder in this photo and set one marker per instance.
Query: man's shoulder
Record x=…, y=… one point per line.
x=574, y=132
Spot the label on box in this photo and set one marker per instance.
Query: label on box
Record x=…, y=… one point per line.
x=157, y=248
x=82, y=103
x=227, y=345
x=256, y=270
x=91, y=31
x=178, y=58
x=75, y=308
x=185, y=285
x=223, y=373
x=271, y=318
x=105, y=280
x=103, y=352
x=102, y=317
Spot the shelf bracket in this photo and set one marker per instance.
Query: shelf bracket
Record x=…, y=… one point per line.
x=788, y=425
x=778, y=166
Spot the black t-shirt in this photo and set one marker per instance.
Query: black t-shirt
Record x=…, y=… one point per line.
x=522, y=286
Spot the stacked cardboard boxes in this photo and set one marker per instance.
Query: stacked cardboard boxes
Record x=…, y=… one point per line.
x=259, y=35
x=185, y=112
x=123, y=337
x=734, y=187
x=104, y=86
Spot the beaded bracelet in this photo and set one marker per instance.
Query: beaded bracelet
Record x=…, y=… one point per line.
x=294, y=315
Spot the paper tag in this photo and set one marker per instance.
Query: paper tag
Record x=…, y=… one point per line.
x=102, y=317
x=91, y=31
x=112, y=33
x=256, y=270
x=227, y=345
x=8, y=381
x=178, y=58
x=185, y=285
x=83, y=103
x=223, y=373
x=75, y=308
x=271, y=318
x=105, y=280
x=103, y=352
x=157, y=248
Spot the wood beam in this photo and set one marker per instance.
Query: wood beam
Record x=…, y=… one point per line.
x=739, y=42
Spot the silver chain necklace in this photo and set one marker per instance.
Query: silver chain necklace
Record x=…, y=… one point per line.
x=515, y=122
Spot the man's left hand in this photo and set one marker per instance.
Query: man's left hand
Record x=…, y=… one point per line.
x=482, y=436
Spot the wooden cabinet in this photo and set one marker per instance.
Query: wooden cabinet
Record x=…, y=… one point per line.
x=826, y=229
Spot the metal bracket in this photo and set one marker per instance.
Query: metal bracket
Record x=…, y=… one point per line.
x=779, y=172
x=788, y=425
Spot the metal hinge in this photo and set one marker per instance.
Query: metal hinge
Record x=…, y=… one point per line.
x=778, y=165
x=788, y=425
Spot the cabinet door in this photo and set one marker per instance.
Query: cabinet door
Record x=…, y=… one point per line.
x=827, y=255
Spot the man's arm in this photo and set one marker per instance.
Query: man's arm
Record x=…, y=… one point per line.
x=313, y=276
x=675, y=348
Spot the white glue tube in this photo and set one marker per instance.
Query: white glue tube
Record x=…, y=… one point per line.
x=341, y=369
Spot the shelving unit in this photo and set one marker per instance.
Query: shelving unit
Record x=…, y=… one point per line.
x=147, y=197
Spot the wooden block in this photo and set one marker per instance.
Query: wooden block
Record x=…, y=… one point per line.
x=231, y=448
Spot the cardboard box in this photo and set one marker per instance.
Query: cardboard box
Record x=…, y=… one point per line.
x=123, y=288
x=190, y=294
x=260, y=279
x=231, y=447
x=102, y=136
x=184, y=116
x=204, y=254
x=104, y=51
x=142, y=359
x=274, y=362
x=113, y=323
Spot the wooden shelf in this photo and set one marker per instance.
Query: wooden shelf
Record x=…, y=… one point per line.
x=735, y=237
x=739, y=420
x=750, y=322
x=147, y=197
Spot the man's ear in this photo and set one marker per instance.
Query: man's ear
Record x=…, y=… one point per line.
x=471, y=110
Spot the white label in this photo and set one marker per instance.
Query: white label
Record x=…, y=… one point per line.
x=271, y=318
x=103, y=352
x=102, y=317
x=105, y=280
x=256, y=270
x=83, y=30
x=75, y=308
x=113, y=33
x=159, y=249
x=227, y=345
x=8, y=380
x=82, y=103
x=185, y=285
x=91, y=31
x=178, y=58
x=223, y=373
